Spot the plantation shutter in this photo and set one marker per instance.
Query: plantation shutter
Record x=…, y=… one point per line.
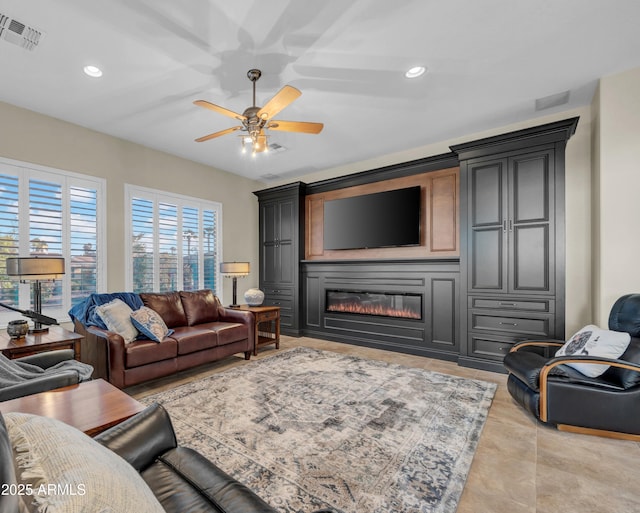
x=8, y=236
x=143, y=247
x=174, y=242
x=47, y=212
x=83, y=245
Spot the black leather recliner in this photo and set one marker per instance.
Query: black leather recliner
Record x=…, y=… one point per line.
x=559, y=395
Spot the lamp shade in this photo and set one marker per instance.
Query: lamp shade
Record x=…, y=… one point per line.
x=234, y=268
x=35, y=268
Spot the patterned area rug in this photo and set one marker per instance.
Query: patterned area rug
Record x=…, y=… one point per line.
x=307, y=429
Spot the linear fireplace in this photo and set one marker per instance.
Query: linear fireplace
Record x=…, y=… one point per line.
x=403, y=305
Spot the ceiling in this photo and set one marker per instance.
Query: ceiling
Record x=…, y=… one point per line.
x=488, y=61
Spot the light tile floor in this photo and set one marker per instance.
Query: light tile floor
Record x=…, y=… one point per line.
x=520, y=466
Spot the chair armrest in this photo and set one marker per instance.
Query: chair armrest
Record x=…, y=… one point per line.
x=39, y=384
x=563, y=360
x=48, y=358
x=142, y=438
x=537, y=343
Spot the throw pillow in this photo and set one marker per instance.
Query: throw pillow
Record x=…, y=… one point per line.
x=67, y=470
x=592, y=341
x=150, y=324
x=116, y=315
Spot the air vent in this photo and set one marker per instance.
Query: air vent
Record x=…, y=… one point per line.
x=269, y=176
x=552, y=101
x=276, y=148
x=16, y=32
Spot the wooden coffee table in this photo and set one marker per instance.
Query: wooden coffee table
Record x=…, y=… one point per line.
x=91, y=406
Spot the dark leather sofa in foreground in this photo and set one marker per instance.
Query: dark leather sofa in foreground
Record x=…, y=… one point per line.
x=181, y=479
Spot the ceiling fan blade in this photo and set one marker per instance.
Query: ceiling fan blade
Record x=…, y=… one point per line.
x=296, y=126
x=218, y=109
x=281, y=99
x=218, y=134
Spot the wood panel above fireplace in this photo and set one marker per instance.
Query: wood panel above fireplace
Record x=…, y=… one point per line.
x=439, y=220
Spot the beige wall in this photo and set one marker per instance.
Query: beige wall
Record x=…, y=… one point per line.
x=32, y=137
x=617, y=190
x=578, y=201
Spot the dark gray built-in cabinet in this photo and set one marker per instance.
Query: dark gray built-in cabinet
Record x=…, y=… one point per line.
x=281, y=221
x=512, y=241
x=508, y=284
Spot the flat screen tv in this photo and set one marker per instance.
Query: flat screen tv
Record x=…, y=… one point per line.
x=382, y=219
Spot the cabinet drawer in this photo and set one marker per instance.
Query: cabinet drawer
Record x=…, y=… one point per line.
x=284, y=304
x=278, y=291
x=532, y=326
x=531, y=305
x=492, y=348
x=267, y=316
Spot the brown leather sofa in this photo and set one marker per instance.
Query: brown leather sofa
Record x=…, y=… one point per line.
x=204, y=331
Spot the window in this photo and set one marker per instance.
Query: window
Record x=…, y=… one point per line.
x=50, y=212
x=173, y=241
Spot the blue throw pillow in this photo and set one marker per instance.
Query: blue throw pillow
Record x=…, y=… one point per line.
x=149, y=323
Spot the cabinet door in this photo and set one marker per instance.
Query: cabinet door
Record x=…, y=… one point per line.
x=487, y=194
x=269, y=221
x=268, y=245
x=531, y=223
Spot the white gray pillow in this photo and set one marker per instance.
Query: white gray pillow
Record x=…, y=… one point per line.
x=592, y=341
x=69, y=472
x=116, y=315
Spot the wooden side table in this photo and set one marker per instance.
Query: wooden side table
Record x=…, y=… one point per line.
x=266, y=325
x=91, y=406
x=56, y=338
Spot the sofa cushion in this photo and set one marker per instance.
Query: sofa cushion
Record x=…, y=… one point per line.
x=150, y=324
x=91, y=477
x=142, y=352
x=168, y=305
x=229, y=332
x=194, y=338
x=200, y=306
x=116, y=316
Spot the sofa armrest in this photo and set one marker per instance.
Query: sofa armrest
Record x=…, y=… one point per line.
x=241, y=317
x=225, y=492
x=48, y=358
x=115, y=353
x=39, y=384
x=142, y=438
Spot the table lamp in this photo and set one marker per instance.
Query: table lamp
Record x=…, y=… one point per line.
x=234, y=270
x=36, y=270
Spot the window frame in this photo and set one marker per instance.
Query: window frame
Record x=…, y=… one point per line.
x=25, y=171
x=157, y=196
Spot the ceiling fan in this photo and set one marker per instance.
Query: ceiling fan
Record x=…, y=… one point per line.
x=255, y=120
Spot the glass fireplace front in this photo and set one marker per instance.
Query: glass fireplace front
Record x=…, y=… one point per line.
x=403, y=305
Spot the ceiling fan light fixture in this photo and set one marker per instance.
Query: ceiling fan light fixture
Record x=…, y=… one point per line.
x=415, y=72
x=92, y=71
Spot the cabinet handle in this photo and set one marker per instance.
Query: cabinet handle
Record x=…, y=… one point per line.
x=507, y=304
x=509, y=323
x=504, y=226
x=510, y=225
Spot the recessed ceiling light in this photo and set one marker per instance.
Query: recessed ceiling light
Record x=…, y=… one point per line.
x=415, y=72
x=92, y=71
